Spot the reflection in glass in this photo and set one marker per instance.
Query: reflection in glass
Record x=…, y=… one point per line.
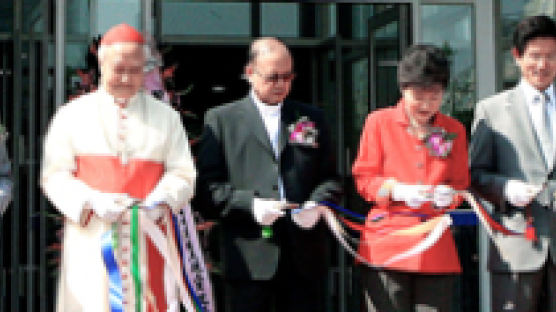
x=32, y=12
x=223, y=19
x=77, y=17
x=280, y=19
x=450, y=27
x=109, y=13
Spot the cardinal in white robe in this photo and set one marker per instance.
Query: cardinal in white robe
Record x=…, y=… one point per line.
x=104, y=152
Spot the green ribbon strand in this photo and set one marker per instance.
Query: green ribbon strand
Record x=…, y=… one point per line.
x=135, y=271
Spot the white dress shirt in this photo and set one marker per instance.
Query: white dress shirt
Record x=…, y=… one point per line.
x=535, y=103
x=271, y=118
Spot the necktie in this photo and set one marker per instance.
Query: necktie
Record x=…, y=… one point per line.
x=546, y=128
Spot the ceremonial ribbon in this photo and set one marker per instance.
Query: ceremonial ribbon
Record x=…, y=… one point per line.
x=484, y=217
x=193, y=260
x=439, y=226
x=115, y=293
x=434, y=228
x=489, y=224
x=169, y=246
x=135, y=269
x=343, y=210
x=180, y=249
x=166, y=246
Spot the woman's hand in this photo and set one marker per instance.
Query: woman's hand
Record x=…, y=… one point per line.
x=413, y=195
x=443, y=196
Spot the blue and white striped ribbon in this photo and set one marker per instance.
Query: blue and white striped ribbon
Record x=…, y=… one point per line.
x=115, y=293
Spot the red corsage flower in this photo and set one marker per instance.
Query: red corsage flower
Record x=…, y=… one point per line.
x=303, y=132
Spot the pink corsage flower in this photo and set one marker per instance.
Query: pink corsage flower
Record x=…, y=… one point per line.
x=303, y=132
x=439, y=142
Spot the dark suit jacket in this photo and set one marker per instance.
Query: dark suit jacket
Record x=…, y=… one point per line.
x=504, y=146
x=236, y=163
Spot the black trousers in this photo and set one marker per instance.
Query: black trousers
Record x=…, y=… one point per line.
x=395, y=291
x=525, y=291
x=287, y=291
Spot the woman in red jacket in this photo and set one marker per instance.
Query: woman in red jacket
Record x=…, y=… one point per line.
x=412, y=159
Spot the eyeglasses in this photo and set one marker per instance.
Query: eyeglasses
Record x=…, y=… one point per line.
x=535, y=57
x=274, y=78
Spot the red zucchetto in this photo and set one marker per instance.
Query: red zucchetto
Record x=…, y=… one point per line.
x=122, y=33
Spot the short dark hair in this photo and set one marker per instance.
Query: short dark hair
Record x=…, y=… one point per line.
x=530, y=28
x=424, y=65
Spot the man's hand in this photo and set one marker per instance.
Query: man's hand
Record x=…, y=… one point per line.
x=110, y=206
x=413, y=195
x=266, y=211
x=308, y=216
x=519, y=193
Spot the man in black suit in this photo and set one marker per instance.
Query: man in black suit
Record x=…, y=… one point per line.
x=258, y=157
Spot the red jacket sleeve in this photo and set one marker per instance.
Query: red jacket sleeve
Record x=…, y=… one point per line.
x=367, y=169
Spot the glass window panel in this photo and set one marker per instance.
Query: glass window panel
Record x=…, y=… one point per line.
x=354, y=19
x=109, y=13
x=511, y=13
x=280, y=19
x=360, y=17
x=223, y=19
x=6, y=15
x=76, y=55
x=77, y=17
x=332, y=13
x=32, y=12
x=450, y=27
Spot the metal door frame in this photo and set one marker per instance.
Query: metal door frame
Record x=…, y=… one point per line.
x=24, y=287
x=401, y=14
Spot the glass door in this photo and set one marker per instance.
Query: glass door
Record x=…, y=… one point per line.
x=370, y=77
x=389, y=36
x=367, y=75
x=27, y=282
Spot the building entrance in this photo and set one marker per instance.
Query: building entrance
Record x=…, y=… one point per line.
x=345, y=59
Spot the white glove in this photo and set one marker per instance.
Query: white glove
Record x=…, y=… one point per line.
x=110, y=206
x=413, y=195
x=266, y=211
x=155, y=211
x=307, y=216
x=519, y=193
x=443, y=196
x=5, y=199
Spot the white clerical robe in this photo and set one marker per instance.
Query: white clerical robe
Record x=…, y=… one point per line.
x=90, y=144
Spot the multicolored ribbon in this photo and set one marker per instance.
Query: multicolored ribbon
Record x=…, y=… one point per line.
x=115, y=293
x=167, y=248
x=180, y=250
x=178, y=237
x=486, y=220
x=433, y=228
x=192, y=259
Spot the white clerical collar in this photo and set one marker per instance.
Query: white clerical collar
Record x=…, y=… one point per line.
x=532, y=94
x=266, y=109
x=113, y=100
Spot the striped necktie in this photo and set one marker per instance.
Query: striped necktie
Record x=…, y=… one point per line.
x=546, y=128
